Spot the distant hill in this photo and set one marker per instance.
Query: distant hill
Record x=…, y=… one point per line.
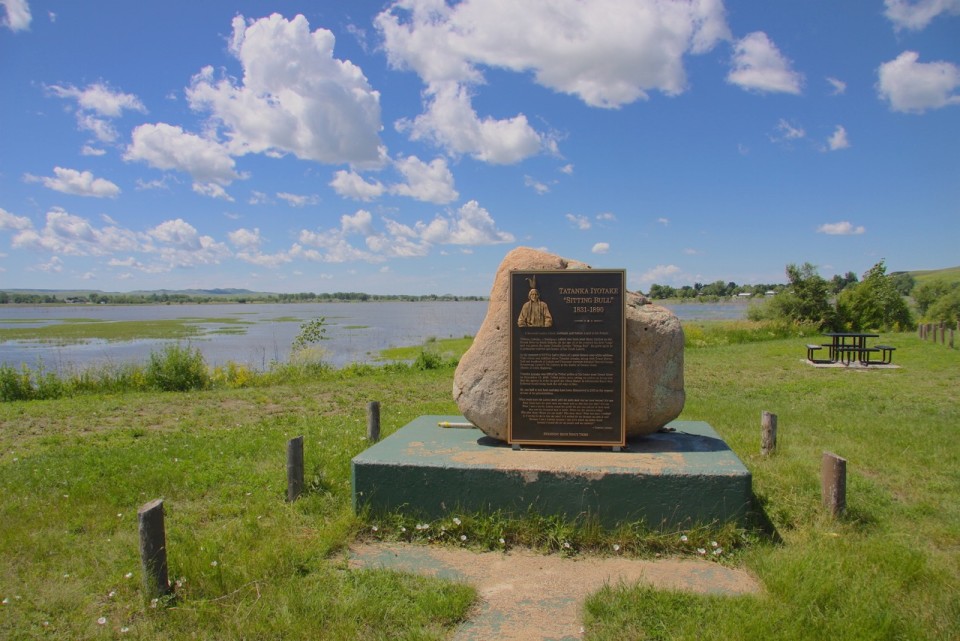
x=201, y=292
x=949, y=274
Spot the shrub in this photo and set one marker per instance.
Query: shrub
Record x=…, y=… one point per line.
x=15, y=385
x=177, y=368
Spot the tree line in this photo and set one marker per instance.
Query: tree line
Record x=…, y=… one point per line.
x=172, y=298
x=878, y=301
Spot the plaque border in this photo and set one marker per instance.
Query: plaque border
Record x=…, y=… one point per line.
x=623, y=361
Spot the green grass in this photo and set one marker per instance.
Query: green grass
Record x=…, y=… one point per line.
x=79, y=331
x=73, y=472
x=445, y=348
x=950, y=275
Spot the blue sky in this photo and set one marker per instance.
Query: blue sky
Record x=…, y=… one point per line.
x=406, y=147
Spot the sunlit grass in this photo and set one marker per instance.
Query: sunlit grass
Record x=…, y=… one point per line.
x=249, y=565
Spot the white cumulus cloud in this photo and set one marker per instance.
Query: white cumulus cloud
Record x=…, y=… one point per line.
x=70, y=235
x=471, y=224
x=9, y=221
x=758, y=65
x=245, y=238
x=298, y=200
x=17, y=16
x=428, y=182
x=659, y=273
x=843, y=228
x=913, y=87
x=917, y=14
x=166, y=146
x=600, y=248
x=96, y=105
x=295, y=96
x=608, y=53
x=578, y=221
x=838, y=140
x=350, y=184
x=78, y=183
x=451, y=123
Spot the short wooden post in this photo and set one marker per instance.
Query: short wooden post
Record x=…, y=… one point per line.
x=294, y=468
x=833, y=480
x=373, y=421
x=768, y=433
x=153, y=549
x=951, y=338
x=943, y=333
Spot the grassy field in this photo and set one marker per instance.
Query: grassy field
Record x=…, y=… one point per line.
x=248, y=565
x=950, y=275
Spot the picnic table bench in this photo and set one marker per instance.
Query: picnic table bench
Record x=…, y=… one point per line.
x=850, y=347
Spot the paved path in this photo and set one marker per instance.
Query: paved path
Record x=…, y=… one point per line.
x=528, y=596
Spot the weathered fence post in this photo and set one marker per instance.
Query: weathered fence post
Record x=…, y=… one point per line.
x=833, y=480
x=373, y=421
x=768, y=433
x=153, y=549
x=294, y=468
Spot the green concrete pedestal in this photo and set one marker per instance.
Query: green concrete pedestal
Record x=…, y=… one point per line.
x=667, y=479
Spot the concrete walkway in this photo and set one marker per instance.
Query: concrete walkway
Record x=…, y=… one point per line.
x=528, y=596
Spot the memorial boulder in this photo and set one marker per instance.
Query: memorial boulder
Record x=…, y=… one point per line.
x=654, y=356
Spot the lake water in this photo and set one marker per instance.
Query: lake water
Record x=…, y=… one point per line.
x=262, y=333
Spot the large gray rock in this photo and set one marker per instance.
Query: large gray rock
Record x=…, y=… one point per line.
x=654, y=345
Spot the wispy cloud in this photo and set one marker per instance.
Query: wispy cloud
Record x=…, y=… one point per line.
x=843, y=228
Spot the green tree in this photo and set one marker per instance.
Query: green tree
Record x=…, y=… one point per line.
x=661, y=291
x=926, y=294
x=311, y=332
x=875, y=303
x=805, y=300
x=838, y=283
x=903, y=282
x=947, y=307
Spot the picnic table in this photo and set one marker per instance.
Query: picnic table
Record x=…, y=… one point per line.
x=849, y=347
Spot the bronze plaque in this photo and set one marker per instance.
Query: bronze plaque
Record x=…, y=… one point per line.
x=567, y=358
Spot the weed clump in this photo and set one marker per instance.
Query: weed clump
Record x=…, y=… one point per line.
x=177, y=368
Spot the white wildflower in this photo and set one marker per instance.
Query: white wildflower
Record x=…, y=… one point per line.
x=102, y=621
x=456, y=520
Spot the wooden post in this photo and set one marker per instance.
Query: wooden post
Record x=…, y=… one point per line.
x=943, y=333
x=373, y=421
x=294, y=468
x=153, y=549
x=934, y=334
x=951, y=338
x=833, y=481
x=768, y=433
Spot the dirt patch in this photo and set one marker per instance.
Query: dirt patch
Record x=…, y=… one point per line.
x=524, y=595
